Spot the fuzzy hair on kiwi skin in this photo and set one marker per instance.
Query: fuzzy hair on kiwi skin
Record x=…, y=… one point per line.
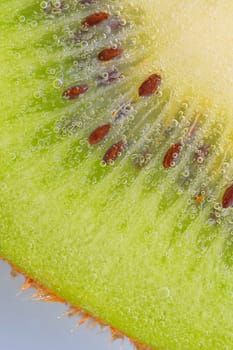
x=153, y=138
x=42, y=294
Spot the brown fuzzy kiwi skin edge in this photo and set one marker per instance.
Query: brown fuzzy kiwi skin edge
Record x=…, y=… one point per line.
x=46, y=295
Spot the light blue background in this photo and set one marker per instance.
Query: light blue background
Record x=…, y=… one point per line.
x=30, y=325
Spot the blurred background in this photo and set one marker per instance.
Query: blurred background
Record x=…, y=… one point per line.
x=27, y=325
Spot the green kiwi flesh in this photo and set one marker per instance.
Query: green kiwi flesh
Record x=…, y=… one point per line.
x=140, y=238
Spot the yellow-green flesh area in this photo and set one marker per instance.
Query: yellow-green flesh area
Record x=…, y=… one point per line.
x=146, y=249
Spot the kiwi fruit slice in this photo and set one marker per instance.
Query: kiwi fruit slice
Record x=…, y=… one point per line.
x=116, y=162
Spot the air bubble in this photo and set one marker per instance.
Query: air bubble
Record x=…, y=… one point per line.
x=22, y=19
x=34, y=23
x=185, y=105
x=17, y=55
x=186, y=173
x=37, y=94
x=57, y=83
x=43, y=5
x=200, y=160
x=83, y=142
x=164, y=293
x=57, y=3
x=175, y=123
x=84, y=44
x=123, y=22
x=217, y=206
x=160, y=93
x=175, y=155
x=105, y=75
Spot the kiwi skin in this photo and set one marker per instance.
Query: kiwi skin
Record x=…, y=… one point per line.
x=42, y=294
x=173, y=262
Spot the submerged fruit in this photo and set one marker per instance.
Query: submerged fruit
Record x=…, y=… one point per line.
x=116, y=162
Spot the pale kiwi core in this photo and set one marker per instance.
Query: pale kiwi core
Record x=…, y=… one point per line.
x=191, y=40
